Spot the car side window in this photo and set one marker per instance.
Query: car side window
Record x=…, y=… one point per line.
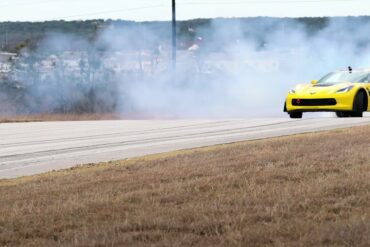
x=367, y=80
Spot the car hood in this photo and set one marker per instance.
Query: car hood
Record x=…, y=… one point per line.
x=319, y=89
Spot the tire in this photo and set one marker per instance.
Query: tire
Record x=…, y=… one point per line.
x=358, y=105
x=296, y=114
x=343, y=114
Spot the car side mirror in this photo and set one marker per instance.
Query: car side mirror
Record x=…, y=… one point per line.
x=314, y=82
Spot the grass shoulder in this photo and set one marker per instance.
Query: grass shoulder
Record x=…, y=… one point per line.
x=310, y=189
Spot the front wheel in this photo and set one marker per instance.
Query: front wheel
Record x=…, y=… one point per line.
x=358, y=105
x=296, y=114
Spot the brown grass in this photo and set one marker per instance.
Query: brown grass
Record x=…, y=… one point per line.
x=57, y=117
x=46, y=117
x=306, y=190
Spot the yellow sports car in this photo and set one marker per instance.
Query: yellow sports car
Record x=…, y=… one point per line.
x=345, y=92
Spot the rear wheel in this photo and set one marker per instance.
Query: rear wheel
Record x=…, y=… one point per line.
x=358, y=105
x=296, y=114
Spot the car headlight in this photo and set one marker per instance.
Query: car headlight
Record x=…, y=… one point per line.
x=292, y=91
x=345, y=90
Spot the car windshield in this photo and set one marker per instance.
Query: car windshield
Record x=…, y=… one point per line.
x=345, y=76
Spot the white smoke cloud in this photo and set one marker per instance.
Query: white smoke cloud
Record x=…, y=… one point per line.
x=249, y=80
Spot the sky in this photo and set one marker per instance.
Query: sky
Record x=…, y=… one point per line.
x=147, y=10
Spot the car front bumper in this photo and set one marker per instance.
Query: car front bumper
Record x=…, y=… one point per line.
x=343, y=102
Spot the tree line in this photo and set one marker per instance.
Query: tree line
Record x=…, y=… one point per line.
x=15, y=36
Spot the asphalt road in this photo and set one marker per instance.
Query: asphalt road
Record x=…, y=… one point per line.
x=32, y=148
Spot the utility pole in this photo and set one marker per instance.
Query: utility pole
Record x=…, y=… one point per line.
x=6, y=39
x=174, y=36
x=2, y=39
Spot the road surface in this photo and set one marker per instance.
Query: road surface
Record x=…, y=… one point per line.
x=32, y=148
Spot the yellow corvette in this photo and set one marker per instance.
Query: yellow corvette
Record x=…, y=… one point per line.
x=345, y=92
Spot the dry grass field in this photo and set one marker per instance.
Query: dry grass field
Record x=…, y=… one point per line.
x=78, y=117
x=57, y=117
x=304, y=190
